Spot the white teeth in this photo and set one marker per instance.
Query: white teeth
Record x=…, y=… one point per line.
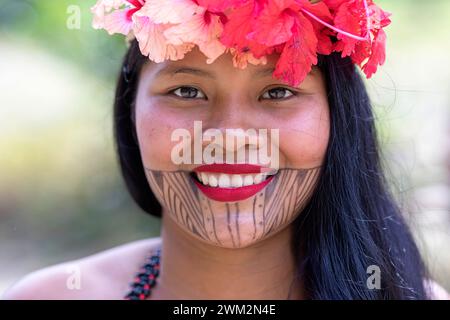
x=248, y=180
x=236, y=181
x=204, y=178
x=224, y=180
x=212, y=181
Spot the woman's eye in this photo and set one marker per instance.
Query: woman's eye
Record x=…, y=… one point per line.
x=189, y=93
x=277, y=93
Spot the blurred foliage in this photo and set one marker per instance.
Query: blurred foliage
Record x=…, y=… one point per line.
x=61, y=194
x=44, y=21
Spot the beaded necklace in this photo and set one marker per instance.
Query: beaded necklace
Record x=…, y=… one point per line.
x=145, y=280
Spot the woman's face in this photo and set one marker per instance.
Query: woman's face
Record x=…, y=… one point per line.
x=230, y=205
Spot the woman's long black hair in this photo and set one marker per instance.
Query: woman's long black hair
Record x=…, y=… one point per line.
x=351, y=227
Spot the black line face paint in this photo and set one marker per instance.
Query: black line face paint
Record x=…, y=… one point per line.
x=173, y=144
x=234, y=224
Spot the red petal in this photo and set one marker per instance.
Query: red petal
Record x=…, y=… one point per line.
x=378, y=17
x=334, y=4
x=378, y=55
x=319, y=9
x=220, y=5
x=348, y=19
x=274, y=25
x=323, y=33
x=299, y=53
x=324, y=45
x=240, y=23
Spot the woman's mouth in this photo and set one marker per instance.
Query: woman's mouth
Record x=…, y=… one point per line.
x=230, y=183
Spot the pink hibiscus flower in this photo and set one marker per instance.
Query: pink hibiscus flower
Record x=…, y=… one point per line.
x=366, y=19
x=153, y=44
x=297, y=30
x=115, y=16
x=263, y=27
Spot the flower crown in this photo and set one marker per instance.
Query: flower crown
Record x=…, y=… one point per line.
x=298, y=30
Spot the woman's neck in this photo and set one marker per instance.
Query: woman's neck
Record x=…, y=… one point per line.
x=192, y=269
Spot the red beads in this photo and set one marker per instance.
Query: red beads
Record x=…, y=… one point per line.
x=145, y=279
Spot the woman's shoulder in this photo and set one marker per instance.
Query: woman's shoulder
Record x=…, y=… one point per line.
x=435, y=291
x=103, y=275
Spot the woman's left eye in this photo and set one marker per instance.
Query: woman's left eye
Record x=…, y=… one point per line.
x=188, y=92
x=278, y=93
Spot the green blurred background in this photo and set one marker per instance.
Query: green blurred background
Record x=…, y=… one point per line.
x=61, y=195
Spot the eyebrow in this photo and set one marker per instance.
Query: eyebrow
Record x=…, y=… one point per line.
x=172, y=70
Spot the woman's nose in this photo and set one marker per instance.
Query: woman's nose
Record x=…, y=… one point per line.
x=237, y=145
x=233, y=113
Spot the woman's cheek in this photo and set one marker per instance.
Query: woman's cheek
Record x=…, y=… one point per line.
x=154, y=128
x=303, y=136
x=304, y=140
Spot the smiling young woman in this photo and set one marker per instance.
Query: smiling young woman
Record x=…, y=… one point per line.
x=310, y=229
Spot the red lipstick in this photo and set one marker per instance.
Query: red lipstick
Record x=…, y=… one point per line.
x=232, y=194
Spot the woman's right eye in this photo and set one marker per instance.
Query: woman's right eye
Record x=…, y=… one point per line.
x=188, y=93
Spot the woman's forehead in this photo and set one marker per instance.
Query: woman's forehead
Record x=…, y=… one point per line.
x=194, y=62
x=195, y=58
